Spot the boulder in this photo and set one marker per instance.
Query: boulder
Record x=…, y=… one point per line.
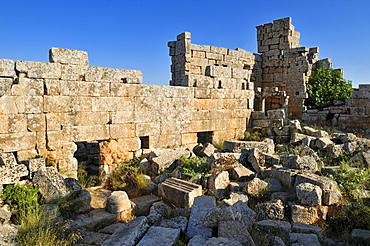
x=10, y=170
x=217, y=214
x=207, y=150
x=304, y=214
x=273, y=210
x=305, y=163
x=243, y=213
x=179, y=222
x=241, y=173
x=300, y=239
x=263, y=230
x=198, y=212
x=235, y=230
x=255, y=187
x=99, y=197
x=309, y=194
x=51, y=184
x=160, y=236
x=128, y=234
x=224, y=161
x=217, y=183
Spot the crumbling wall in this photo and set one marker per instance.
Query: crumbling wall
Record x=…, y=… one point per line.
x=206, y=66
x=51, y=106
x=285, y=64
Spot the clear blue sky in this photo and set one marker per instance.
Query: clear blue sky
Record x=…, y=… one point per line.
x=133, y=34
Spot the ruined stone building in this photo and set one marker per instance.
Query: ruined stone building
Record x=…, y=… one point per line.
x=48, y=108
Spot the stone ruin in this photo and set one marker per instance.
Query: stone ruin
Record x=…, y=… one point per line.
x=53, y=108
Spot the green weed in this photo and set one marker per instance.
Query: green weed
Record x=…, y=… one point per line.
x=194, y=167
x=253, y=136
x=86, y=180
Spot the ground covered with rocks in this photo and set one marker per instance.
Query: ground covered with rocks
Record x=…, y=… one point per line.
x=313, y=190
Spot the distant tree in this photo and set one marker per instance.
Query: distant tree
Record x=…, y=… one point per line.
x=326, y=85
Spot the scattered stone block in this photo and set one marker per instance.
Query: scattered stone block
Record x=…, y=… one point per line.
x=10, y=170
x=179, y=192
x=163, y=158
x=272, y=210
x=255, y=158
x=241, y=173
x=235, y=146
x=323, y=142
x=217, y=183
x=255, y=187
x=215, y=241
x=5, y=214
x=360, y=237
x=160, y=236
x=141, y=205
x=309, y=194
x=207, y=150
x=304, y=214
x=263, y=230
x=305, y=163
x=276, y=241
x=51, y=184
x=224, y=161
x=299, y=227
x=271, y=160
x=99, y=197
x=198, y=212
x=235, y=230
x=93, y=221
x=111, y=228
x=234, y=197
x=300, y=239
x=198, y=240
x=217, y=214
x=274, y=185
x=77, y=202
x=118, y=201
x=92, y=238
x=158, y=212
x=179, y=222
x=129, y=234
x=243, y=213
x=285, y=175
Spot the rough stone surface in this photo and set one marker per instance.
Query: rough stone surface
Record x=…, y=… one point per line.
x=207, y=150
x=276, y=241
x=218, y=183
x=359, y=237
x=235, y=230
x=236, y=146
x=304, y=214
x=299, y=227
x=215, y=215
x=8, y=235
x=5, y=214
x=10, y=170
x=255, y=186
x=300, y=239
x=118, y=201
x=198, y=240
x=179, y=222
x=272, y=210
x=111, y=228
x=305, y=163
x=92, y=238
x=309, y=194
x=241, y=173
x=235, y=197
x=243, y=213
x=218, y=241
x=263, y=230
x=99, y=197
x=141, y=205
x=224, y=161
x=128, y=234
x=160, y=236
x=179, y=192
x=274, y=185
x=163, y=158
x=198, y=212
x=78, y=202
x=93, y=221
x=66, y=56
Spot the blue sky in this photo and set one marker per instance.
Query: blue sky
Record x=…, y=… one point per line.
x=133, y=34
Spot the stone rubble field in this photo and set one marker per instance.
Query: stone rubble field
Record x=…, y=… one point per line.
x=256, y=193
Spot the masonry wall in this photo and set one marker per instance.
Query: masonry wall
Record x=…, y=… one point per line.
x=50, y=106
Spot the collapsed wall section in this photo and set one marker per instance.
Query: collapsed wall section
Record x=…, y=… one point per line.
x=206, y=66
x=285, y=64
x=52, y=106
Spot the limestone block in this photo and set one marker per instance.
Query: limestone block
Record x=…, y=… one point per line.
x=5, y=84
x=254, y=158
x=36, y=123
x=299, y=227
x=216, y=215
x=304, y=239
x=234, y=198
x=243, y=213
x=129, y=234
x=276, y=114
x=14, y=142
x=199, y=210
x=7, y=68
x=236, y=146
x=56, y=139
x=263, y=230
x=218, y=183
x=273, y=210
x=285, y=175
x=34, y=164
x=241, y=173
x=306, y=163
x=67, y=56
x=309, y=194
x=224, y=160
x=323, y=142
x=87, y=133
x=255, y=186
x=118, y=201
x=162, y=158
x=304, y=214
x=179, y=193
x=11, y=172
x=51, y=184
x=39, y=70
x=179, y=222
x=239, y=73
x=360, y=237
x=92, y=221
x=218, y=71
x=141, y=205
x=274, y=185
x=103, y=74
x=55, y=104
x=91, y=238
x=99, y=197
x=73, y=72
x=159, y=236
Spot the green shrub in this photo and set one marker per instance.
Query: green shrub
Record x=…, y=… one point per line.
x=253, y=136
x=194, y=167
x=127, y=176
x=20, y=196
x=326, y=85
x=86, y=180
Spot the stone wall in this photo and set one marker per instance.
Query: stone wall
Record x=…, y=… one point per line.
x=285, y=64
x=48, y=107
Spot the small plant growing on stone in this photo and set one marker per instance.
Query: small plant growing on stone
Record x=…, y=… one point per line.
x=20, y=196
x=253, y=136
x=84, y=179
x=194, y=167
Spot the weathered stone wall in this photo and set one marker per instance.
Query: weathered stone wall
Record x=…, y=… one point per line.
x=206, y=66
x=51, y=106
x=285, y=64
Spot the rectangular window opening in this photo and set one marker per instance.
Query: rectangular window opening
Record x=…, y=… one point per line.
x=205, y=137
x=144, y=142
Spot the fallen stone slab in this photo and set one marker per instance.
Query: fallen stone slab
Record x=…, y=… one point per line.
x=179, y=192
x=141, y=205
x=216, y=215
x=198, y=212
x=299, y=227
x=224, y=161
x=284, y=174
x=93, y=221
x=99, y=197
x=157, y=235
x=263, y=230
x=360, y=237
x=198, y=240
x=236, y=146
x=218, y=241
x=255, y=187
x=207, y=150
x=111, y=228
x=163, y=158
x=10, y=170
x=243, y=213
x=234, y=198
x=309, y=194
x=241, y=173
x=305, y=163
x=218, y=183
x=179, y=222
x=272, y=210
x=304, y=214
x=300, y=239
x=128, y=234
x=92, y=238
x=235, y=230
